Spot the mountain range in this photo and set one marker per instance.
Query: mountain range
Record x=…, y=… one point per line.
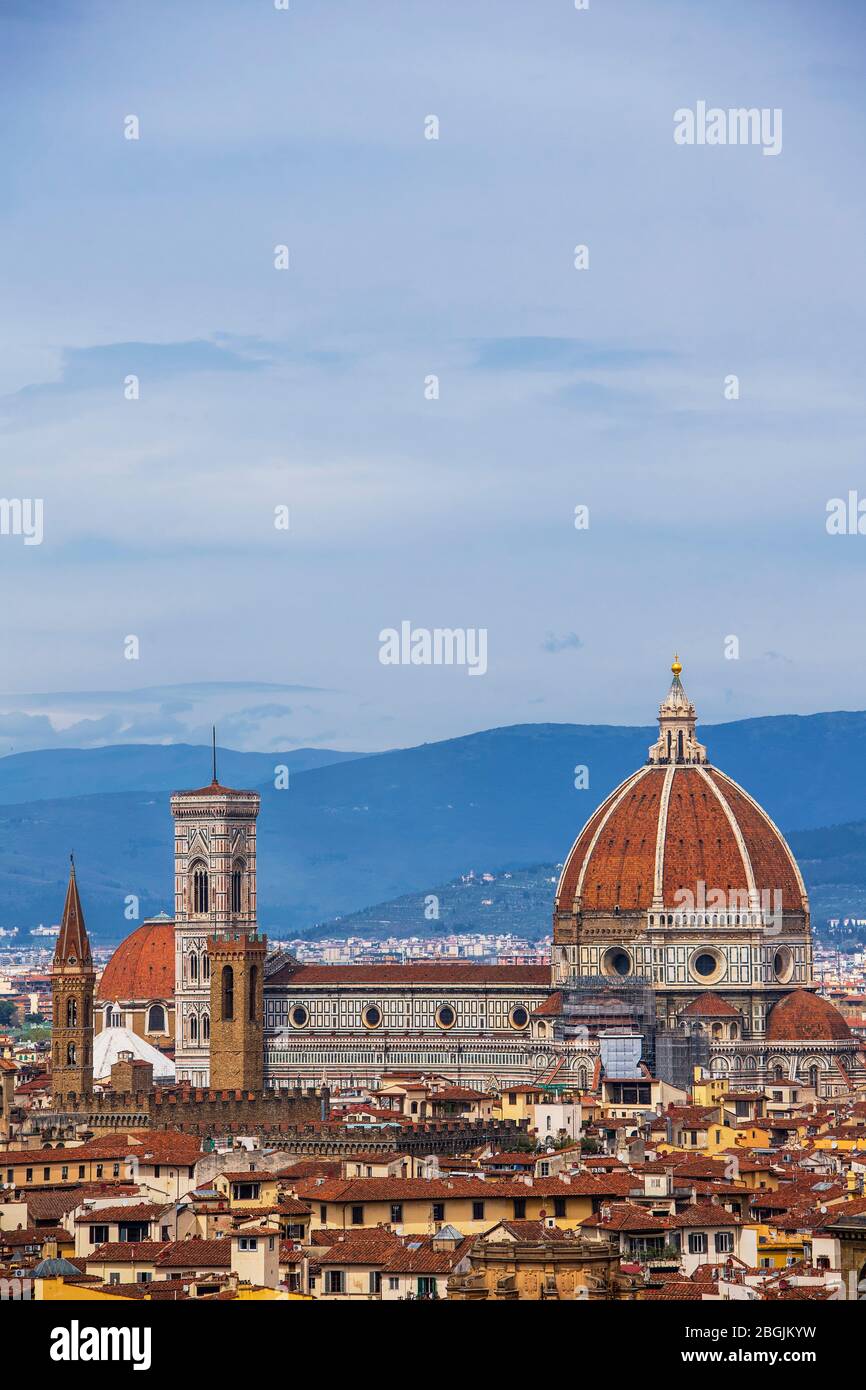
x=353, y=829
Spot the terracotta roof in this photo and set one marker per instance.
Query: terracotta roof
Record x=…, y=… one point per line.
x=422, y=1257
x=419, y=973
x=362, y=1248
x=612, y=862
x=709, y=1005
x=34, y=1235
x=626, y=1216
x=551, y=1007
x=102, y=1216
x=703, y=1214
x=195, y=1253
x=678, y=1291
x=360, y=1190
x=142, y=967
x=802, y=1016
x=216, y=789
x=127, y=1251
x=458, y=1093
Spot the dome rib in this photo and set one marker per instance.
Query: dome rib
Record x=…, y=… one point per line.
x=613, y=804
x=661, y=836
x=755, y=810
x=593, y=827
x=738, y=836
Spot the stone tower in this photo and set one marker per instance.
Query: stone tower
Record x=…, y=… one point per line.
x=215, y=897
x=237, y=1009
x=72, y=982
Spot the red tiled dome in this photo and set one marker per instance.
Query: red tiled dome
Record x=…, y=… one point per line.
x=142, y=967
x=805, y=1017
x=709, y=1005
x=709, y=831
x=679, y=834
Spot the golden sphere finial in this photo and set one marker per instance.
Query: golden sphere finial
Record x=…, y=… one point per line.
x=676, y=665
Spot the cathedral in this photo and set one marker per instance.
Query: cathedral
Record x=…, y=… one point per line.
x=680, y=921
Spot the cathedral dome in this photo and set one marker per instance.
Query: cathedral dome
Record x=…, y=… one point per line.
x=142, y=967
x=805, y=1017
x=675, y=825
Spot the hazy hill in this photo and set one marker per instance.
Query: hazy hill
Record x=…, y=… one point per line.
x=43, y=776
x=367, y=829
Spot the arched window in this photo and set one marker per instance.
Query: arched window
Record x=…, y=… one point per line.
x=205, y=1027
x=237, y=885
x=72, y=1013
x=228, y=994
x=205, y=966
x=254, y=978
x=156, y=1019
x=71, y=1055
x=200, y=888
x=193, y=1028
x=193, y=965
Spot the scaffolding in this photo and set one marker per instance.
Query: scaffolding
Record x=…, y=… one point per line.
x=677, y=1055
x=596, y=1004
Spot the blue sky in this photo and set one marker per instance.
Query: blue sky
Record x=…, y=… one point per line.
x=411, y=257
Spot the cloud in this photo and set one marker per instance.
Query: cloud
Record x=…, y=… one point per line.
x=167, y=714
x=569, y=641
x=106, y=366
x=561, y=355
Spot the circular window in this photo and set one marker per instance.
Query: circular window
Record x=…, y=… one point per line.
x=708, y=966
x=299, y=1016
x=372, y=1016
x=783, y=964
x=445, y=1016
x=519, y=1016
x=616, y=961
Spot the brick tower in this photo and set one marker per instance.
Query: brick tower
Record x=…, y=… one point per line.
x=237, y=1051
x=215, y=897
x=72, y=982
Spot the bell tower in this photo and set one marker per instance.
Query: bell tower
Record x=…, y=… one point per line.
x=72, y=982
x=215, y=898
x=237, y=1049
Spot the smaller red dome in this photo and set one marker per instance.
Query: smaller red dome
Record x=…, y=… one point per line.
x=142, y=967
x=805, y=1017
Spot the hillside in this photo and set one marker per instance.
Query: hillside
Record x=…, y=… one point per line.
x=366, y=830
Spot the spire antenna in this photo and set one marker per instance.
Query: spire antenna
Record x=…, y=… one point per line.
x=213, y=749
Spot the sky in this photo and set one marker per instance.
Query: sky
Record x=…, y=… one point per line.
x=308, y=388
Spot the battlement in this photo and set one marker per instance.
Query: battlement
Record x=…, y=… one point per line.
x=190, y=1110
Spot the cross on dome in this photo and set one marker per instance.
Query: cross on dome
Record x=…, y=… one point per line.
x=676, y=742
